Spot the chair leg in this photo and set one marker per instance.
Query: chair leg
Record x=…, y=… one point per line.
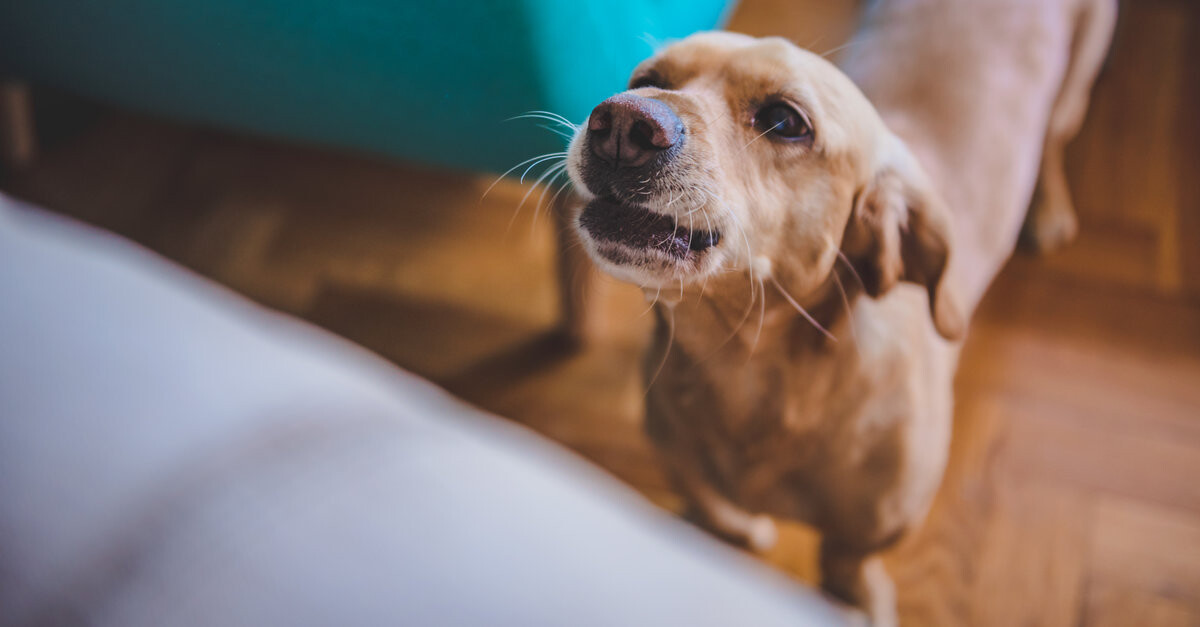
x=575, y=275
x=17, y=140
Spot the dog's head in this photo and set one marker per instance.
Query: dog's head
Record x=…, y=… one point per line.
x=730, y=154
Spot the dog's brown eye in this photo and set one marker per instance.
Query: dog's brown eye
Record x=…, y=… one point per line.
x=781, y=121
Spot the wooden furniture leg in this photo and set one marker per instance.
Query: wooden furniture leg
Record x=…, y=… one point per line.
x=575, y=275
x=17, y=145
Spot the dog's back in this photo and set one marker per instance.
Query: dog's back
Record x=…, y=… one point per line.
x=983, y=92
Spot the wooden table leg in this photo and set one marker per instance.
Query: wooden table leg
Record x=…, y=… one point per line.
x=575, y=275
x=17, y=145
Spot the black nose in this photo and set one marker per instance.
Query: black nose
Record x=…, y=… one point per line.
x=628, y=131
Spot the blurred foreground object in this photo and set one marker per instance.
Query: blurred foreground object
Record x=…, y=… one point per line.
x=171, y=454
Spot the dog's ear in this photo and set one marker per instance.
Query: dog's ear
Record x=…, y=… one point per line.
x=900, y=229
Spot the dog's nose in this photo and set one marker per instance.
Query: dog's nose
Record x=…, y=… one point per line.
x=628, y=131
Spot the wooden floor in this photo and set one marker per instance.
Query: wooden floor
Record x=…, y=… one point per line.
x=1073, y=491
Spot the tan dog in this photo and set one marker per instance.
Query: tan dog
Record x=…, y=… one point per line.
x=815, y=257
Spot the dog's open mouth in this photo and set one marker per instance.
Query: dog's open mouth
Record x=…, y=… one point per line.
x=609, y=221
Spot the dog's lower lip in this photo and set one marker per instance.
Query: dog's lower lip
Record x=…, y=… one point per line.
x=609, y=220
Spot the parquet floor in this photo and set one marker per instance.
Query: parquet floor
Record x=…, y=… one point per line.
x=1073, y=491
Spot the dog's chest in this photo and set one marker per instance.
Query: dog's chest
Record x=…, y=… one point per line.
x=756, y=428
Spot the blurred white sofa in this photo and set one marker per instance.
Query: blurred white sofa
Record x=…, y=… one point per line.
x=171, y=454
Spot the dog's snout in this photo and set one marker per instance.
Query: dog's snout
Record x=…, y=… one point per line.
x=627, y=131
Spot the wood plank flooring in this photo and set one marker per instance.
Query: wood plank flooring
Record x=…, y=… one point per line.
x=1073, y=490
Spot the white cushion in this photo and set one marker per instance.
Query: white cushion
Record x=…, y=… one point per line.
x=171, y=454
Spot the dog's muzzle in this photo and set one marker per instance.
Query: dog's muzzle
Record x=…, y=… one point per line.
x=630, y=142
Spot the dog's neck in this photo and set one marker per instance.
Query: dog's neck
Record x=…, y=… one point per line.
x=751, y=316
x=735, y=345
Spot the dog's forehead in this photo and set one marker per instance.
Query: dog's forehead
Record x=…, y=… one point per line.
x=747, y=70
x=747, y=61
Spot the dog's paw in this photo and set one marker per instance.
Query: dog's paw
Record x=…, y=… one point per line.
x=761, y=534
x=860, y=617
x=1051, y=223
x=1047, y=231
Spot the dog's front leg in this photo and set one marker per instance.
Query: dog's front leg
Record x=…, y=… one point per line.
x=713, y=511
x=860, y=580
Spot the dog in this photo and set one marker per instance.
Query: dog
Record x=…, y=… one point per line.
x=815, y=240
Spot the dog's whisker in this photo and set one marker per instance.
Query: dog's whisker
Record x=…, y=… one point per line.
x=657, y=293
x=557, y=116
x=510, y=170
x=813, y=43
x=548, y=116
x=537, y=209
x=539, y=113
x=735, y=329
x=853, y=41
x=760, y=136
x=704, y=287
x=567, y=131
x=561, y=167
x=842, y=257
x=669, y=318
x=561, y=188
x=550, y=172
x=532, y=116
x=741, y=322
x=542, y=160
x=849, y=313
x=733, y=217
x=825, y=55
x=752, y=280
x=561, y=133
x=762, y=314
x=803, y=312
x=845, y=300
x=555, y=170
x=674, y=233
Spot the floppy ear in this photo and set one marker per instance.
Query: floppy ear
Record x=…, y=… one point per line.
x=900, y=230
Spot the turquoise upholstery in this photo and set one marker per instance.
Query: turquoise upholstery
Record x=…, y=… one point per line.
x=422, y=80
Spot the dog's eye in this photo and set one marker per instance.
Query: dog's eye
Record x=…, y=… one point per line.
x=781, y=121
x=649, y=79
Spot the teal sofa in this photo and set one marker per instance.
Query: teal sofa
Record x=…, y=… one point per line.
x=432, y=82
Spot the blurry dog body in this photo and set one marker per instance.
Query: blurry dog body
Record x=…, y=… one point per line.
x=986, y=94
x=767, y=206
